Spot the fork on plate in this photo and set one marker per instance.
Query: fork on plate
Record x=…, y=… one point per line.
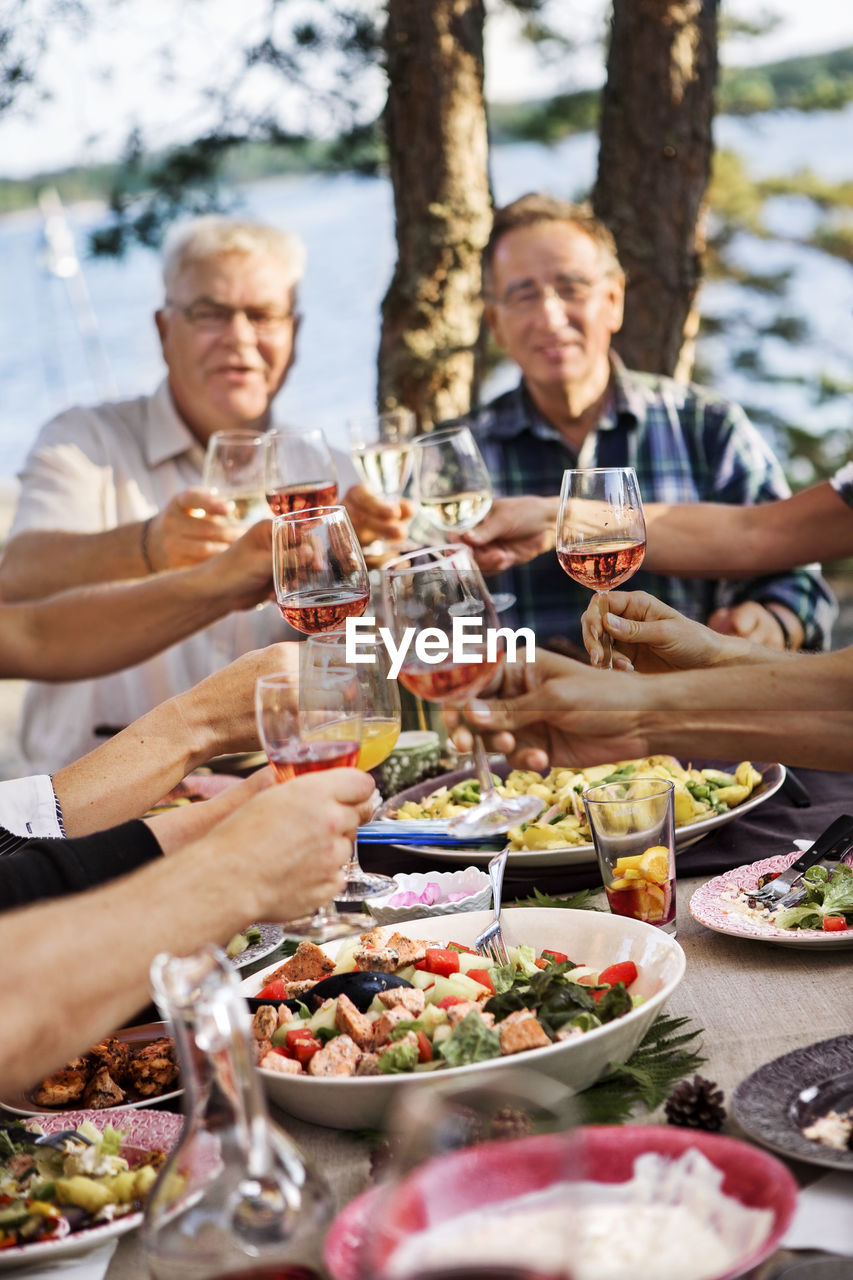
x=831, y=846
x=490, y=942
x=18, y=1133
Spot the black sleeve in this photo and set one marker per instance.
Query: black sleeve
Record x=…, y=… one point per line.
x=50, y=868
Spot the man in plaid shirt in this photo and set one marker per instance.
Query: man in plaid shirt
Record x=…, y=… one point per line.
x=555, y=292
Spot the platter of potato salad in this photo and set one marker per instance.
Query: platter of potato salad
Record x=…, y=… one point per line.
x=705, y=798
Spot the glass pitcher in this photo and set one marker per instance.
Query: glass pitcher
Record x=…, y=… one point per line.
x=235, y=1198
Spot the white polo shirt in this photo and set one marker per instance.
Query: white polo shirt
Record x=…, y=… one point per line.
x=91, y=469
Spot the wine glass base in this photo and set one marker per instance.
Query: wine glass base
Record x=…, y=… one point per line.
x=495, y=814
x=365, y=884
x=323, y=926
x=502, y=600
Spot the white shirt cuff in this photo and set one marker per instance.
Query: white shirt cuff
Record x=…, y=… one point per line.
x=28, y=807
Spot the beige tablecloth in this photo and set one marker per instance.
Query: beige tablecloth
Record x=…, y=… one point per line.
x=754, y=1000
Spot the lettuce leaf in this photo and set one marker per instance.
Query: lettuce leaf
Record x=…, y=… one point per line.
x=470, y=1041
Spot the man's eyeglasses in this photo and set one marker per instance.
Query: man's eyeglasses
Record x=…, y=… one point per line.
x=215, y=317
x=528, y=297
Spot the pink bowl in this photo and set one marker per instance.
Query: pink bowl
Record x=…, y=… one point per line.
x=495, y=1171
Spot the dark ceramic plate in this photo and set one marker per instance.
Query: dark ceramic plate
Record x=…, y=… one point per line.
x=780, y=1098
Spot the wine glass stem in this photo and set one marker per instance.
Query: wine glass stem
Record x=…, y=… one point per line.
x=603, y=602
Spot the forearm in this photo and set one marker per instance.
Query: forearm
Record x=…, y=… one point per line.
x=176, y=828
x=92, y=631
x=41, y=562
x=711, y=540
x=102, y=943
x=134, y=769
x=793, y=709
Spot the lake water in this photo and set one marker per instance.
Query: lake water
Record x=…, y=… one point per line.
x=347, y=224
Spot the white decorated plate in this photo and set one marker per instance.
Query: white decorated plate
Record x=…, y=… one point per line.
x=589, y=937
x=272, y=936
x=22, y=1103
x=712, y=906
x=569, y=855
x=774, y=1104
x=146, y=1130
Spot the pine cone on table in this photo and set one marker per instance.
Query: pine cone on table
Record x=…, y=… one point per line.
x=696, y=1104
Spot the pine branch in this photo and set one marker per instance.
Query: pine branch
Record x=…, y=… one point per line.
x=661, y=1059
x=579, y=901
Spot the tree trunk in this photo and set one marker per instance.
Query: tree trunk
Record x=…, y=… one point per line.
x=435, y=122
x=653, y=168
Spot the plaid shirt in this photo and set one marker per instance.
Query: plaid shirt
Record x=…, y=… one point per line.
x=686, y=445
x=842, y=483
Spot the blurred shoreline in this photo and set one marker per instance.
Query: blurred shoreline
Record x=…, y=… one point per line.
x=12, y=691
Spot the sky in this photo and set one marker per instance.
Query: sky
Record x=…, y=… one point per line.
x=110, y=79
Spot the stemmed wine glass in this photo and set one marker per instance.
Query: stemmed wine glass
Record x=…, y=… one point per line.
x=601, y=532
x=299, y=471
x=318, y=569
x=381, y=449
x=233, y=469
x=380, y=728
x=453, y=486
x=308, y=722
x=428, y=590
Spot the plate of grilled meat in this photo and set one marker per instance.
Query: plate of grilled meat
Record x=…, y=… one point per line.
x=135, y=1067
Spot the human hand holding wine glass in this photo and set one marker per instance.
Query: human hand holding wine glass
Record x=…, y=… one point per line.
x=381, y=450
x=319, y=572
x=453, y=486
x=299, y=471
x=426, y=590
x=233, y=469
x=601, y=532
x=380, y=728
x=306, y=722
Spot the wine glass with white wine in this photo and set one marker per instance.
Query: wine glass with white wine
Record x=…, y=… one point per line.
x=453, y=486
x=233, y=469
x=381, y=450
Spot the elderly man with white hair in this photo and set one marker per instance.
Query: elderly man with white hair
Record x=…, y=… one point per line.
x=108, y=491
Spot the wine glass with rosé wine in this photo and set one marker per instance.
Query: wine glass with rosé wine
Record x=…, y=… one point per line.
x=319, y=572
x=299, y=471
x=601, y=532
x=380, y=729
x=308, y=722
x=428, y=591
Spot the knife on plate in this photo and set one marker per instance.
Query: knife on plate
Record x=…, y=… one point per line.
x=830, y=846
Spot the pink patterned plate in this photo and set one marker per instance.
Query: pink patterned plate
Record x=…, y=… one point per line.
x=143, y=1131
x=711, y=906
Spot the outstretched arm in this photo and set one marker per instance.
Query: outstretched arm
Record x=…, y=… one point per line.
x=191, y=528
x=798, y=709
x=271, y=860
x=136, y=768
x=94, y=630
x=709, y=540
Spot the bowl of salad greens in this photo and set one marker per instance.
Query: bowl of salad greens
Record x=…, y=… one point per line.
x=579, y=993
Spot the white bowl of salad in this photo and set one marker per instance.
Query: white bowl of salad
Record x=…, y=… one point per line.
x=594, y=981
